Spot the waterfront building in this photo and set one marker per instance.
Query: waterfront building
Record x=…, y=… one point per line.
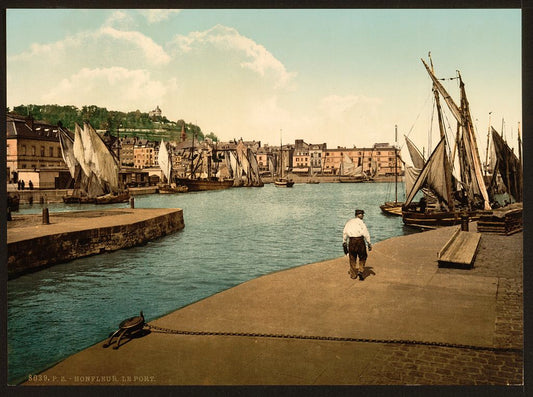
x=126, y=152
x=144, y=153
x=381, y=155
x=34, y=153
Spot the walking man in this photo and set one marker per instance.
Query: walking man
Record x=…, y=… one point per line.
x=355, y=236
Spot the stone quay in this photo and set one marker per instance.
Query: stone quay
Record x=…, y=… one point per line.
x=408, y=323
x=33, y=244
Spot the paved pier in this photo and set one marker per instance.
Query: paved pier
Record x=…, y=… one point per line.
x=408, y=323
x=32, y=245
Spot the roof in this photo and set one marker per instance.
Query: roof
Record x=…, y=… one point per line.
x=23, y=127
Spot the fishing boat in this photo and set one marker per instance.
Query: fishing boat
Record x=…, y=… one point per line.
x=200, y=181
x=245, y=167
x=454, y=197
x=349, y=173
x=507, y=168
x=282, y=181
x=394, y=207
x=93, y=166
x=165, y=163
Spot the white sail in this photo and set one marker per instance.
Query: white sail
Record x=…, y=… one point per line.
x=67, y=151
x=348, y=168
x=432, y=175
x=164, y=160
x=100, y=159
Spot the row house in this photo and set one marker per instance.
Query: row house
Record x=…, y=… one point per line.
x=34, y=153
x=307, y=157
x=381, y=155
x=144, y=154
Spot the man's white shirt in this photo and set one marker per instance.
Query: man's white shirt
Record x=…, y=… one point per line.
x=355, y=228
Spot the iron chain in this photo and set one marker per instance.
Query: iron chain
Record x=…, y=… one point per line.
x=155, y=328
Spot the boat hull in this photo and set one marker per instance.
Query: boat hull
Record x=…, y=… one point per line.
x=354, y=179
x=195, y=185
x=172, y=190
x=392, y=208
x=436, y=219
x=79, y=200
x=284, y=183
x=113, y=199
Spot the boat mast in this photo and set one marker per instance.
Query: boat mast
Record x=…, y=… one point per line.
x=447, y=164
x=487, y=150
x=462, y=115
x=192, y=156
x=281, y=153
x=395, y=165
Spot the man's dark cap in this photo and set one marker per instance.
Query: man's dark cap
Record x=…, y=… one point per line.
x=357, y=212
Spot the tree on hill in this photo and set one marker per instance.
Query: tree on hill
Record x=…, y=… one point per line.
x=135, y=123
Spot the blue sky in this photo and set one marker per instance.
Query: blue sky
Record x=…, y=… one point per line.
x=344, y=77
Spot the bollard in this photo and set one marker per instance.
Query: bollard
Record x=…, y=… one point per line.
x=9, y=218
x=464, y=222
x=132, y=202
x=46, y=217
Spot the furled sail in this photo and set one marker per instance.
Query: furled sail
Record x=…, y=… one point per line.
x=432, y=175
x=509, y=167
x=164, y=160
x=254, y=168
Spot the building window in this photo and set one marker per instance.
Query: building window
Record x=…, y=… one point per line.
x=51, y=151
x=42, y=151
x=33, y=151
x=23, y=149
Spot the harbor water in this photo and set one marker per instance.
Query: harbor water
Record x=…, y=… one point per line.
x=230, y=236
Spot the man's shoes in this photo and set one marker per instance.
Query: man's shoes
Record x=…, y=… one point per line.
x=361, y=277
x=353, y=276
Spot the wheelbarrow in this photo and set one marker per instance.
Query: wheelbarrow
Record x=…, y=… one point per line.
x=128, y=328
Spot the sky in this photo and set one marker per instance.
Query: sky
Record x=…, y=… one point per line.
x=344, y=77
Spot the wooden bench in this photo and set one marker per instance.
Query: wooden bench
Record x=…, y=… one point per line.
x=460, y=250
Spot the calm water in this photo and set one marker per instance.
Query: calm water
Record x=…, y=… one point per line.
x=230, y=236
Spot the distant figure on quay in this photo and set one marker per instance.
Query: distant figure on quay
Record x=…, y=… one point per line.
x=355, y=236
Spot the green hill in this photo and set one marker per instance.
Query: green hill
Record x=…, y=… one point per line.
x=134, y=123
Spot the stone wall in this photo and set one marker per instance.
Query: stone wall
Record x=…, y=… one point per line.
x=36, y=253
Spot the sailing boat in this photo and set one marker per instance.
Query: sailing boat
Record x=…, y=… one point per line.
x=165, y=163
x=349, y=172
x=196, y=183
x=281, y=181
x=509, y=167
x=93, y=166
x=394, y=207
x=454, y=198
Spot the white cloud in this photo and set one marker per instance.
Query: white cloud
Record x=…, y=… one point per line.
x=115, y=88
x=152, y=51
x=120, y=19
x=154, y=16
x=336, y=105
x=253, y=56
x=95, y=47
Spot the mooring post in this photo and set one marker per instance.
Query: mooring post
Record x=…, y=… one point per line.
x=46, y=217
x=464, y=222
x=132, y=202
